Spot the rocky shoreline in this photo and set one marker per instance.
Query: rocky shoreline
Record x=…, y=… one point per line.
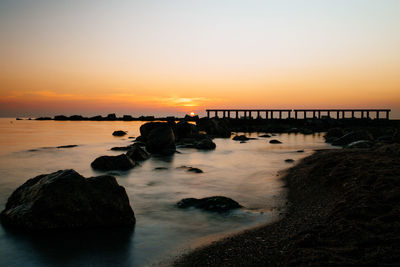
x=343, y=209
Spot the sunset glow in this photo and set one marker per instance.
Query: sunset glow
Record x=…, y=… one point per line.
x=175, y=57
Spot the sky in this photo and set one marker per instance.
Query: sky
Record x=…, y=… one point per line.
x=172, y=57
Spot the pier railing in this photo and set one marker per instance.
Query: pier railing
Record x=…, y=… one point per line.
x=298, y=113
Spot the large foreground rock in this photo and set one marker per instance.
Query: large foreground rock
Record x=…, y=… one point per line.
x=109, y=163
x=217, y=203
x=66, y=200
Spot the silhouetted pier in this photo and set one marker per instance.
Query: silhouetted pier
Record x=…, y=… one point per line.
x=298, y=113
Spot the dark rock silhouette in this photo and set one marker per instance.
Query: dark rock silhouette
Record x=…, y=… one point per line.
x=289, y=160
x=215, y=127
x=361, y=144
x=121, y=148
x=185, y=130
x=240, y=138
x=119, y=133
x=274, y=141
x=205, y=144
x=109, y=163
x=265, y=135
x=136, y=153
x=111, y=117
x=159, y=138
x=66, y=200
x=216, y=203
x=352, y=137
x=67, y=146
x=195, y=170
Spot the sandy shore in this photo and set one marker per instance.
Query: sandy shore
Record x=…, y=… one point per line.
x=343, y=209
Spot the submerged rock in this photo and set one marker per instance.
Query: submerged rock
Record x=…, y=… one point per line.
x=67, y=146
x=264, y=135
x=205, y=144
x=135, y=152
x=109, y=163
x=352, y=137
x=216, y=203
x=240, y=138
x=274, y=141
x=119, y=133
x=66, y=200
x=289, y=160
x=195, y=170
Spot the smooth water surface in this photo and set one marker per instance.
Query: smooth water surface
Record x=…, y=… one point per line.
x=247, y=172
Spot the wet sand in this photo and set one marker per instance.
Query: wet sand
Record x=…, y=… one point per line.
x=343, y=209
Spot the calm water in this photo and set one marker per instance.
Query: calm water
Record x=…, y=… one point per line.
x=248, y=173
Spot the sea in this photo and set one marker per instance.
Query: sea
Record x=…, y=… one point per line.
x=250, y=173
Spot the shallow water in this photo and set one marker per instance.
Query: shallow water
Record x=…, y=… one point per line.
x=247, y=172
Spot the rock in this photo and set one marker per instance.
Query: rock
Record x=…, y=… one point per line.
x=139, y=139
x=67, y=146
x=161, y=140
x=76, y=118
x=66, y=200
x=240, y=138
x=195, y=170
x=137, y=153
x=264, y=135
x=121, y=148
x=274, y=141
x=60, y=118
x=205, y=144
x=361, y=144
x=215, y=127
x=300, y=151
x=146, y=128
x=216, y=203
x=109, y=163
x=185, y=130
x=160, y=168
x=119, y=133
x=387, y=139
x=289, y=160
x=334, y=132
x=111, y=117
x=352, y=137
x=306, y=131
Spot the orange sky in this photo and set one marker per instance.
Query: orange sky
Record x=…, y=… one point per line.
x=159, y=58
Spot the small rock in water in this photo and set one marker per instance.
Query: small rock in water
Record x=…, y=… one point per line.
x=300, y=151
x=67, y=146
x=274, y=141
x=242, y=142
x=131, y=137
x=289, y=160
x=216, y=203
x=109, y=163
x=195, y=170
x=205, y=144
x=265, y=135
x=240, y=138
x=160, y=168
x=119, y=133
